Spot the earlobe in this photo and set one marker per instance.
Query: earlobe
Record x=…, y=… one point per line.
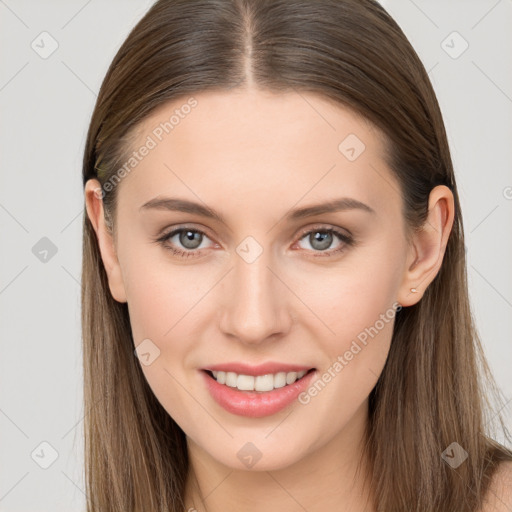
x=95, y=212
x=428, y=246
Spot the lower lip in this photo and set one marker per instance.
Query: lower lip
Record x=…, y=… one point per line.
x=255, y=404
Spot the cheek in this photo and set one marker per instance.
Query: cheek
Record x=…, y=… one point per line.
x=161, y=301
x=350, y=298
x=353, y=310
x=161, y=295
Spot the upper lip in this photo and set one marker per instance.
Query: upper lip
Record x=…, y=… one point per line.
x=261, y=369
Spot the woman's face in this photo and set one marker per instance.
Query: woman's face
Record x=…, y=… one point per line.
x=265, y=283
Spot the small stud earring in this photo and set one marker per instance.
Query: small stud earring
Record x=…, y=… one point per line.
x=413, y=290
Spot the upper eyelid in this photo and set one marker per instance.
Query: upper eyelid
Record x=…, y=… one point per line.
x=325, y=227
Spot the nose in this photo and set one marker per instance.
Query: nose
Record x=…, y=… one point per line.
x=256, y=302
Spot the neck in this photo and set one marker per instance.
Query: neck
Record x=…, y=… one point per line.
x=330, y=477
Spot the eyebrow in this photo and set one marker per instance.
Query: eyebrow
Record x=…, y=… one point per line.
x=186, y=206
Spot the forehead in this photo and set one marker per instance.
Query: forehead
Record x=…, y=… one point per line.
x=260, y=150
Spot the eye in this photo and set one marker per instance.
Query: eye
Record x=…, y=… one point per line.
x=321, y=238
x=188, y=238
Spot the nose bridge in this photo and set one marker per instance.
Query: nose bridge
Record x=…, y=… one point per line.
x=256, y=304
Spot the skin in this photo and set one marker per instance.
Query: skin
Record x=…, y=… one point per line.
x=252, y=156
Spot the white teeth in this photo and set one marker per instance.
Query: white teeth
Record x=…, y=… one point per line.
x=259, y=383
x=245, y=382
x=280, y=380
x=264, y=382
x=231, y=379
x=291, y=377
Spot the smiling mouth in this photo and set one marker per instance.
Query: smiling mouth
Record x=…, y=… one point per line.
x=259, y=383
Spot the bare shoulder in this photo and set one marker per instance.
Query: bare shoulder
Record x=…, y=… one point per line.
x=499, y=496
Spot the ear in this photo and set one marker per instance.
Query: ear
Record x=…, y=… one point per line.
x=95, y=212
x=428, y=246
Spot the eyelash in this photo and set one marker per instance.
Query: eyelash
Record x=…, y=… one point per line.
x=347, y=240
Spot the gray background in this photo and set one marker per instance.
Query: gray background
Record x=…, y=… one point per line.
x=46, y=105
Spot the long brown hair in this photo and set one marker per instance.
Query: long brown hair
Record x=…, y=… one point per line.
x=431, y=392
